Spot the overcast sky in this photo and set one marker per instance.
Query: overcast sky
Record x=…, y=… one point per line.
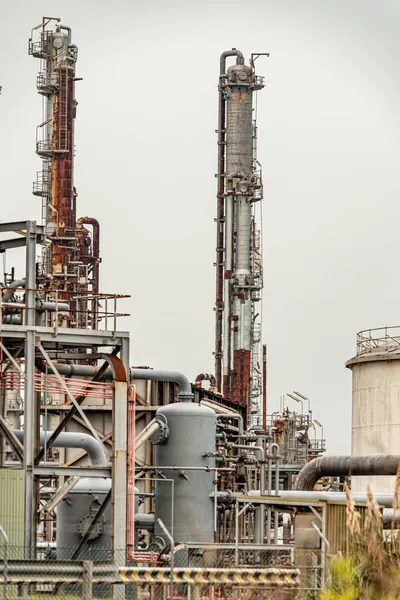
x=329, y=130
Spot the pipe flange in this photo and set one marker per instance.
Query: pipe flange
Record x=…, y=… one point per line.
x=85, y=523
x=157, y=545
x=185, y=397
x=162, y=432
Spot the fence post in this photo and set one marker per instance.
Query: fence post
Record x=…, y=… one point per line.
x=87, y=579
x=5, y=563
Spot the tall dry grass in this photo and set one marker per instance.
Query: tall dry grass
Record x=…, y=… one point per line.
x=371, y=568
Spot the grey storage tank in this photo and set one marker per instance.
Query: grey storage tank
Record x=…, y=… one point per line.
x=74, y=515
x=185, y=442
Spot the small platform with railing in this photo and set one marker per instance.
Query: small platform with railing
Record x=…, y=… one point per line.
x=379, y=340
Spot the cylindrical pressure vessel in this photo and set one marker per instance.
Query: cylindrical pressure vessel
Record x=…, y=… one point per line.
x=376, y=405
x=185, y=506
x=74, y=515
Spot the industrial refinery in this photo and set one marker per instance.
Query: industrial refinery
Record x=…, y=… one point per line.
x=118, y=480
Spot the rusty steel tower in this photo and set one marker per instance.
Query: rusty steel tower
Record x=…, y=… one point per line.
x=239, y=276
x=71, y=259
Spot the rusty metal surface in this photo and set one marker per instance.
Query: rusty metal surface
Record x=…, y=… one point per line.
x=63, y=199
x=117, y=365
x=241, y=376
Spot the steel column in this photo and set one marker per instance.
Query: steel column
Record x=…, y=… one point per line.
x=29, y=400
x=120, y=470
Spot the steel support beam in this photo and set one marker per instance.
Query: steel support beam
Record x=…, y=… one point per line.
x=29, y=399
x=17, y=226
x=120, y=469
x=67, y=337
x=17, y=243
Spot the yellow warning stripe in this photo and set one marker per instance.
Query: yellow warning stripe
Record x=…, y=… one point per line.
x=269, y=576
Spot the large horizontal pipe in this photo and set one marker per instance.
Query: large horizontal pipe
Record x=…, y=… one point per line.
x=72, y=439
x=385, y=500
x=157, y=375
x=345, y=466
x=40, y=305
x=8, y=294
x=391, y=519
x=143, y=521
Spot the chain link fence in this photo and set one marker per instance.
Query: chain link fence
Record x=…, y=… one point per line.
x=195, y=574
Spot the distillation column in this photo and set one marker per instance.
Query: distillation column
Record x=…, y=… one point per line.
x=239, y=188
x=71, y=261
x=56, y=82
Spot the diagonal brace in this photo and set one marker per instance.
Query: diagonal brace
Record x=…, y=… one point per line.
x=71, y=413
x=67, y=391
x=15, y=443
x=10, y=357
x=60, y=494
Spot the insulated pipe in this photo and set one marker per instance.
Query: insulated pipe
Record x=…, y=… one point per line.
x=67, y=29
x=385, y=500
x=205, y=377
x=225, y=55
x=259, y=449
x=19, y=283
x=185, y=392
x=72, y=439
x=391, y=519
x=54, y=306
x=143, y=521
x=40, y=305
x=262, y=492
x=230, y=415
x=342, y=466
x=260, y=516
x=72, y=369
x=12, y=319
x=276, y=521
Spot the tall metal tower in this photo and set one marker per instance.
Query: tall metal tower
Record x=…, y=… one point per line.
x=239, y=276
x=71, y=260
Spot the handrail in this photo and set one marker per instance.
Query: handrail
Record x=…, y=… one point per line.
x=386, y=339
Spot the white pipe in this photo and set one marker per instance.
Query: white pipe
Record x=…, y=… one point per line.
x=385, y=500
x=72, y=439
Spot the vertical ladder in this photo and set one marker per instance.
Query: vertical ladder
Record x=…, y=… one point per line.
x=63, y=111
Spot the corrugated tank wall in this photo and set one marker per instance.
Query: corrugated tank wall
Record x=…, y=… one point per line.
x=12, y=490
